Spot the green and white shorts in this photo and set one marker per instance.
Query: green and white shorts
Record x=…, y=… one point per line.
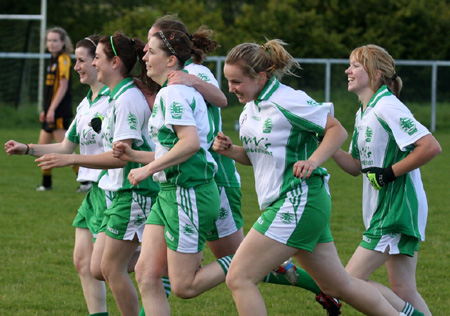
x=91, y=212
x=301, y=218
x=397, y=243
x=230, y=218
x=187, y=214
x=125, y=217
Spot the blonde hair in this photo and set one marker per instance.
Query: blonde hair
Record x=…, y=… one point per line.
x=375, y=58
x=270, y=58
x=68, y=46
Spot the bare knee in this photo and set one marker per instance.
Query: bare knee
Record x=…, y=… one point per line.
x=82, y=264
x=405, y=292
x=184, y=289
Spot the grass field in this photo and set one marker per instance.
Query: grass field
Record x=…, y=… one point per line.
x=37, y=276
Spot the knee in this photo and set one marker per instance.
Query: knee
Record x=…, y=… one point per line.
x=96, y=272
x=405, y=292
x=82, y=264
x=183, y=290
x=234, y=281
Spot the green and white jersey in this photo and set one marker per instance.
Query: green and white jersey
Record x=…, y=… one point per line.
x=227, y=175
x=127, y=118
x=181, y=105
x=277, y=130
x=82, y=134
x=384, y=134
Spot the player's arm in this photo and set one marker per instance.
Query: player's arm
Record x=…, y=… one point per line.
x=334, y=136
x=347, y=163
x=37, y=150
x=425, y=149
x=99, y=161
x=124, y=152
x=224, y=146
x=209, y=92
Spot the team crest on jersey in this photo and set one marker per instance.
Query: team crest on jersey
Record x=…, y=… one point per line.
x=132, y=121
x=267, y=127
x=176, y=110
x=203, y=77
x=188, y=230
x=408, y=125
x=222, y=213
x=369, y=134
x=256, y=118
x=313, y=103
x=286, y=218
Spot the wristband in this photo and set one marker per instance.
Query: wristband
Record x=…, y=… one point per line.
x=28, y=149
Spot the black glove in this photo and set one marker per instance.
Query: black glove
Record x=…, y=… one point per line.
x=96, y=124
x=379, y=177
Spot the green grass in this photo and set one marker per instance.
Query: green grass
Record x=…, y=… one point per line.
x=37, y=275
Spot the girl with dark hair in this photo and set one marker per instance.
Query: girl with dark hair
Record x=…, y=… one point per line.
x=90, y=214
x=126, y=120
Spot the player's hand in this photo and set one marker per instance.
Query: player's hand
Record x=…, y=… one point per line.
x=179, y=77
x=15, y=148
x=379, y=177
x=96, y=124
x=304, y=168
x=137, y=175
x=50, y=161
x=50, y=117
x=122, y=151
x=222, y=143
x=42, y=117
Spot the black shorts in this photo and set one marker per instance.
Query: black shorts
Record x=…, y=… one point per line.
x=60, y=123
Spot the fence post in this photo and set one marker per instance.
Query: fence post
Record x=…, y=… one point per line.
x=433, y=96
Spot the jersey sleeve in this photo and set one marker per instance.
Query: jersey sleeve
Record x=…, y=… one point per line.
x=64, y=65
x=180, y=105
x=129, y=115
x=72, y=134
x=398, y=121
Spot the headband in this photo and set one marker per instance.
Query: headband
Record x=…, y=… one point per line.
x=167, y=43
x=112, y=45
x=88, y=39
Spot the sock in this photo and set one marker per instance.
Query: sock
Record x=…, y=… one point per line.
x=167, y=287
x=225, y=263
x=408, y=310
x=304, y=280
x=142, y=313
x=47, y=178
x=100, y=314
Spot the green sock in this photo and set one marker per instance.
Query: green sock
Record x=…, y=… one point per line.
x=142, y=313
x=408, y=310
x=304, y=280
x=225, y=263
x=167, y=287
x=100, y=314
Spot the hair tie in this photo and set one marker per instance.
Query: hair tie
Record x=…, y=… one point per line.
x=190, y=36
x=133, y=42
x=167, y=43
x=265, y=47
x=394, y=76
x=90, y=40
x=192, y=51
x=112, y=45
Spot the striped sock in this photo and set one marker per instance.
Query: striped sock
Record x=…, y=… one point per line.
x=225, y=263
x=167, y=287
x=100, y=314
x=408, y=310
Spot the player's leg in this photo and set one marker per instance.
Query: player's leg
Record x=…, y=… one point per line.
x=97, y=254
x=150, y=268
x=93, y=290
x=45, y=137
x=324, y=265
x=244, y=274
x=116, y=257
x=402, y=278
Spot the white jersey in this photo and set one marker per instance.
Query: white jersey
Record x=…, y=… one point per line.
x=82, y=134
x=183, y=106
x=384, y=134
x=227, y=175
x=277, y=130
x=126, y=118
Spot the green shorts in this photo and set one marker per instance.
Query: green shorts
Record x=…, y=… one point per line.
x=187, y=215
x=397, y=243
x=301, y=218
x=230, y=218
x=91, y=212
x=125, y=217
